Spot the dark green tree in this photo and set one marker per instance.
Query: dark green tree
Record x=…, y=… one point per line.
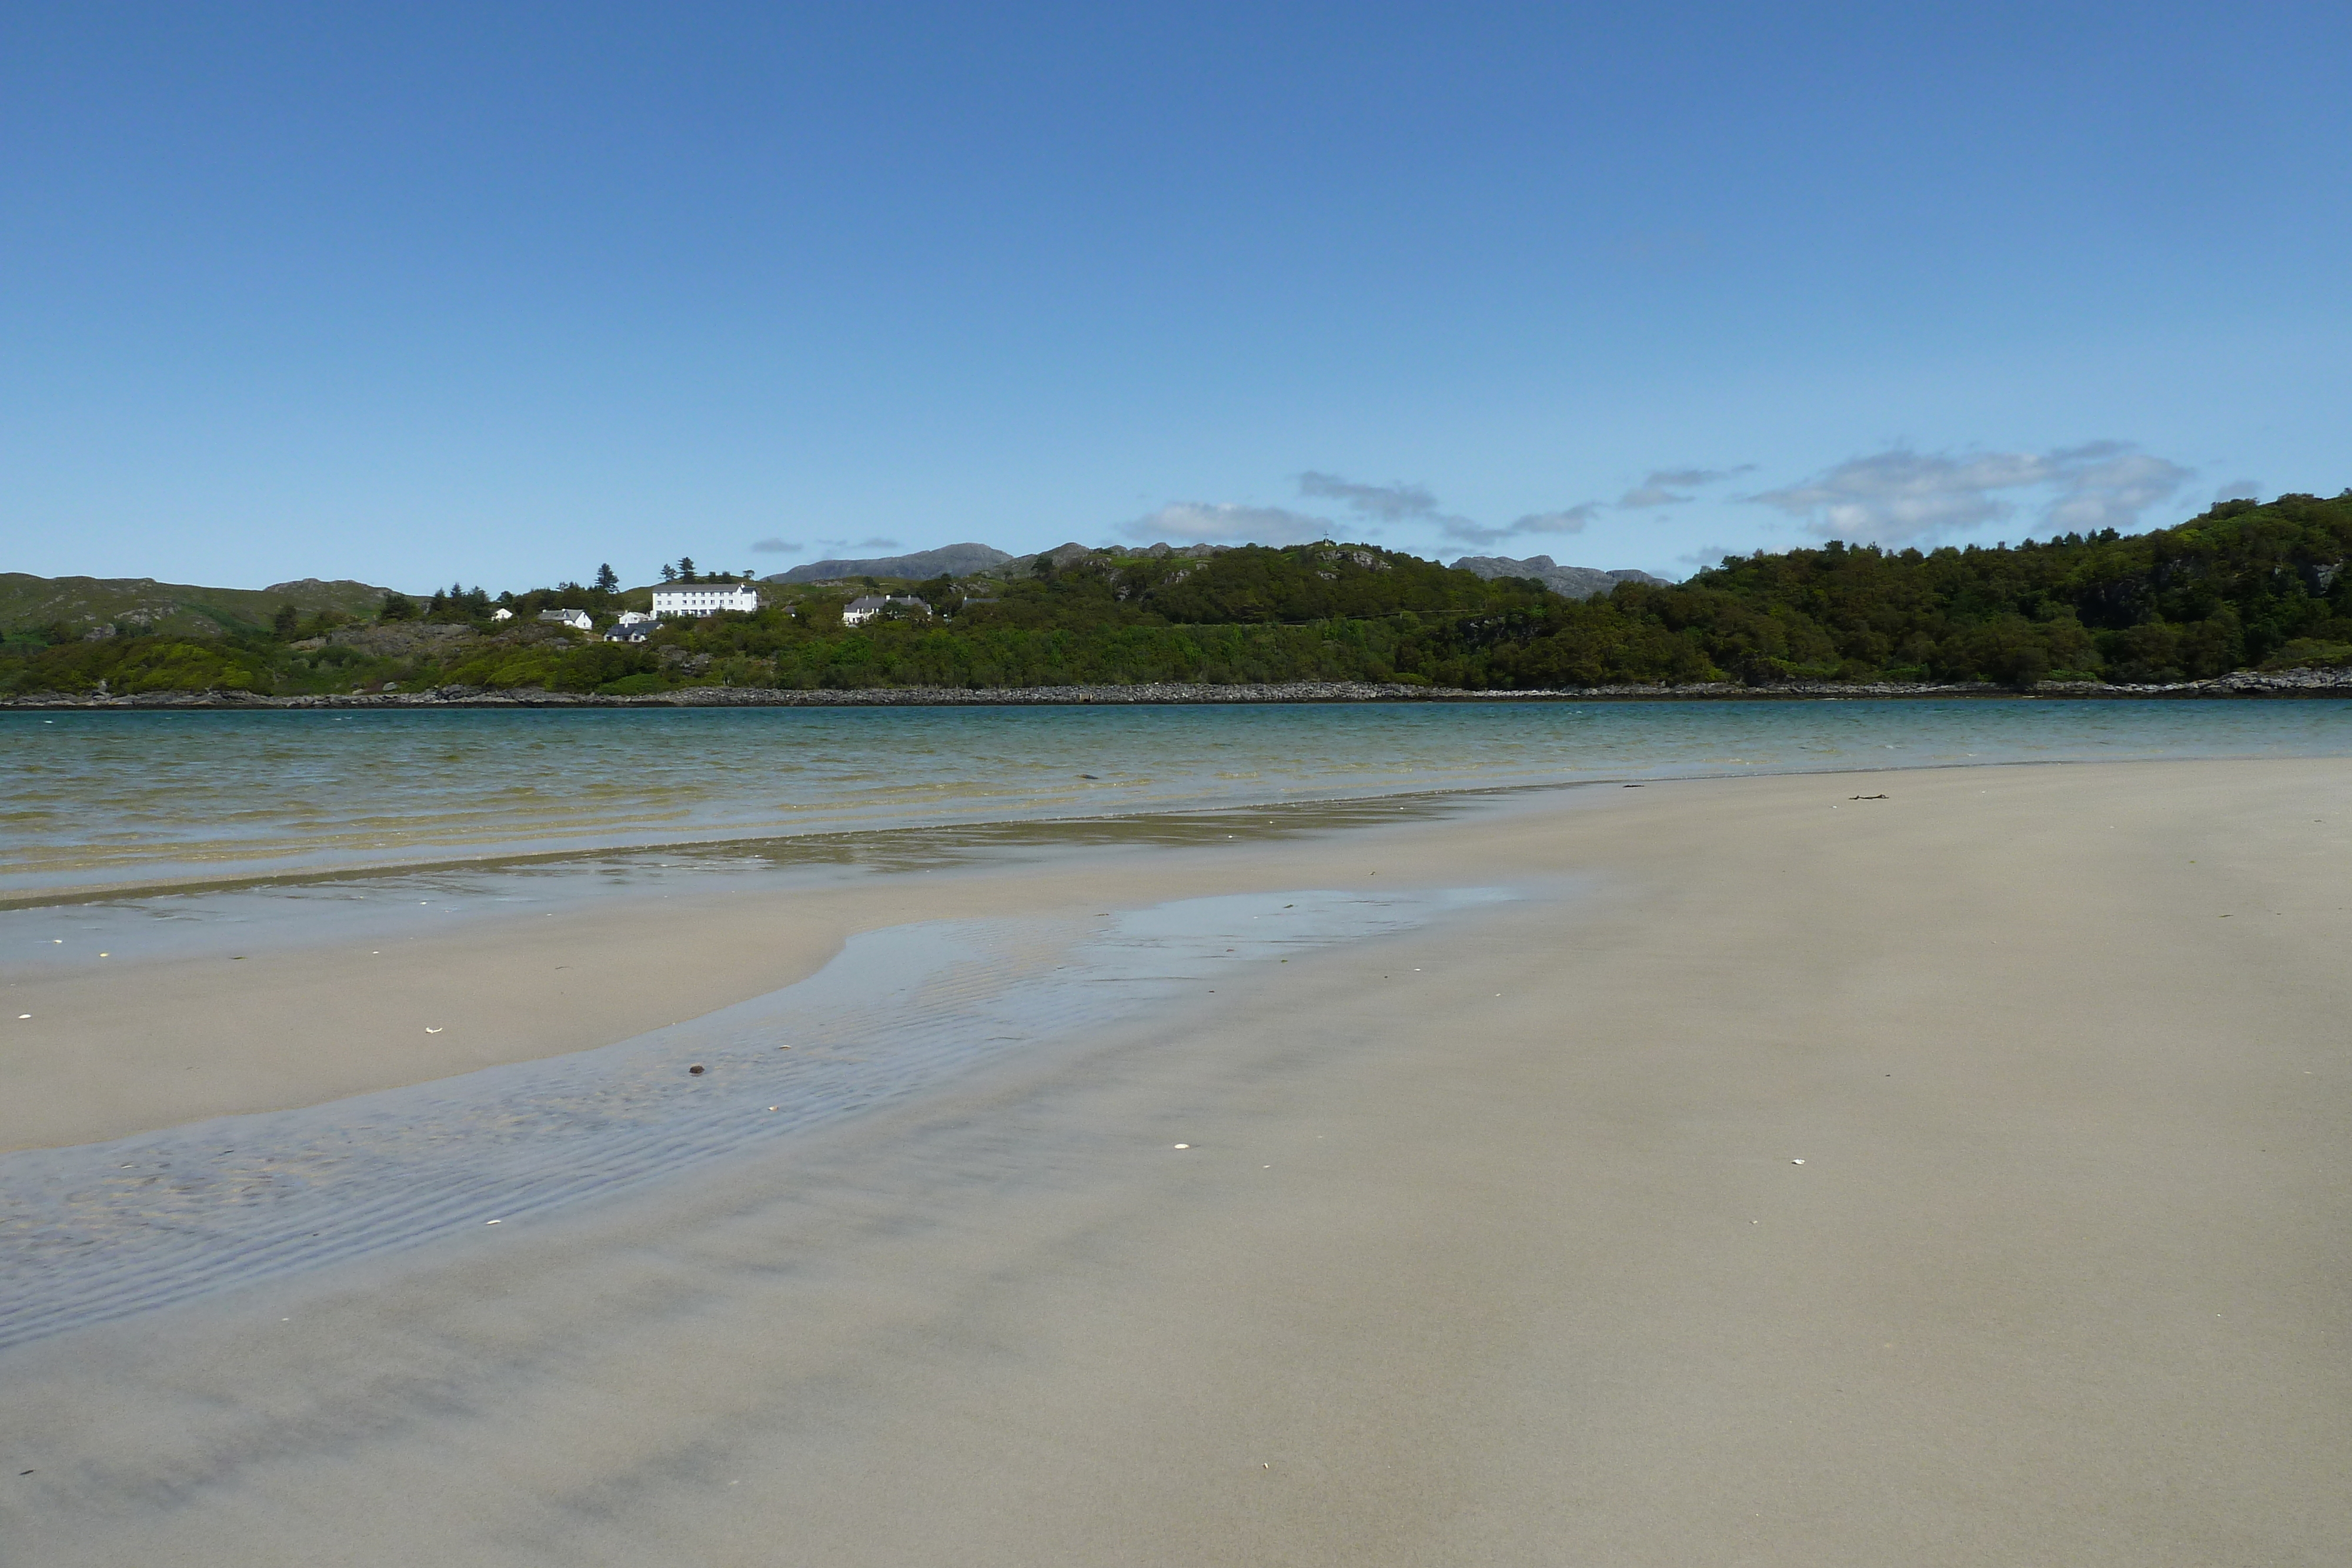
x=397, y=607
x=685, y=567
x=606, y=582
x=282, y=624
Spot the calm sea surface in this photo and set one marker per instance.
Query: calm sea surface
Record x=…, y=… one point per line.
x=123, y=799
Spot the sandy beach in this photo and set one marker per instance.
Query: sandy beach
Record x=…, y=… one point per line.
x=1941, y=1166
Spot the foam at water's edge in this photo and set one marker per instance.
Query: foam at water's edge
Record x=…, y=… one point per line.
x=104, y=1230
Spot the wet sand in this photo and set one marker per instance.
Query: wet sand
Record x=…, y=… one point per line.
x=1492, y=1244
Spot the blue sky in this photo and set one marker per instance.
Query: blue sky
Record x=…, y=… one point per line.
x=494, y=293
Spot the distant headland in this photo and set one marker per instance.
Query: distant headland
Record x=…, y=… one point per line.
x=2246, y=600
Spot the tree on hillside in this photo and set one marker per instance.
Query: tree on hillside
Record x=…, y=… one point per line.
x=685, y=567
x=669, y=572
x=397, y=607
x=605, y=579
x=283, y=623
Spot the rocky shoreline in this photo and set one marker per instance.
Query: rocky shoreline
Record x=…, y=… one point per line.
x=2276, y=684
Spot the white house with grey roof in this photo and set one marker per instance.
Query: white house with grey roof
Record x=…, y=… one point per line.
x=868, y=607
x=704, y=597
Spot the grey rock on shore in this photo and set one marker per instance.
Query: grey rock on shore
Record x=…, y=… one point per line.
x=2246, y=684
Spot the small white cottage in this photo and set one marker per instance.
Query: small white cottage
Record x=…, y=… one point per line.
x=858, y=612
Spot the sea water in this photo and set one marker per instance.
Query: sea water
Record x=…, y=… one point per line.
x=125, y=799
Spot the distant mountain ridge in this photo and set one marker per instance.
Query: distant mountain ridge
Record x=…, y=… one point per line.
x=983, y=560
x=1568, y=582
x=955, y=561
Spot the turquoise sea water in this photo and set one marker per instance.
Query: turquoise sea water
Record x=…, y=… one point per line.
x=125, y=799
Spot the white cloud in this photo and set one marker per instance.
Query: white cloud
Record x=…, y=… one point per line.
x=777, y=546
x=2110, y=486
x=878, y=543
x=1902, y=496
x=1224, y=522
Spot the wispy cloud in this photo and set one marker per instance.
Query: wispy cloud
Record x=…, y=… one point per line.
x=1400, y=503
x=1665, y=486
x=876, y=543
x=1692, y=479
x=1901, y=496
x=1642, y=496
x=777, y=546
x=1389, y=503
x=2240, y=490
x=1224, y=522
x=1567, y=520
x=1374, y=504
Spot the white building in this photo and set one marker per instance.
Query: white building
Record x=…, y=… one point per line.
x=501, y=614
x=578, y=620
x=704, y=597
x=858, y=612
x=633, y=618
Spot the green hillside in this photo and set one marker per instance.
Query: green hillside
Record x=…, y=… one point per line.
x=142, y=606
x=2242, y=586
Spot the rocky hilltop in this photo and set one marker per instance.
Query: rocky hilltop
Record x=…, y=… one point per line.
x=1568, y=582
x=983, y=560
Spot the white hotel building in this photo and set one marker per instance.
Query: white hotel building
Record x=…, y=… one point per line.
x=704, y=597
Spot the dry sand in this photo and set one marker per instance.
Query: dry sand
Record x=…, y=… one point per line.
x=1491, y=1246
